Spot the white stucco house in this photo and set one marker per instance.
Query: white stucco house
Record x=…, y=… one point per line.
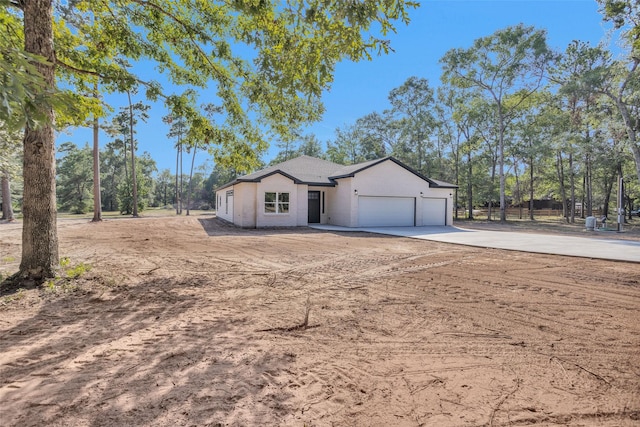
x=307, y=190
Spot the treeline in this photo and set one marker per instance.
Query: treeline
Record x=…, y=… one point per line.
x=511, y=122
x=74, y=182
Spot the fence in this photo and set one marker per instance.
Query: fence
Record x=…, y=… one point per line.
x=515, y=213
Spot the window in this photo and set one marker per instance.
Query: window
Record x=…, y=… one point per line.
x=276, y=203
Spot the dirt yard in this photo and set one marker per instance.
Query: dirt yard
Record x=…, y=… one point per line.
x=184, y=321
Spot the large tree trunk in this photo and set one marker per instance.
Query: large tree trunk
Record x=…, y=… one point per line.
x=39, y=232
x=97, y=199
x=7, y=209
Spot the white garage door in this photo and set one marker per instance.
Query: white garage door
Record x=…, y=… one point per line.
x=434, y=211
x=386, y=211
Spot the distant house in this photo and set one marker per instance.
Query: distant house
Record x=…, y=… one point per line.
x=307, y=190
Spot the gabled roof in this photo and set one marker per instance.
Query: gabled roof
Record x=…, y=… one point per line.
x=351, y=170
x=313, y=171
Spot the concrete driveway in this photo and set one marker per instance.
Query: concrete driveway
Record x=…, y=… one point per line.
x=611, y=249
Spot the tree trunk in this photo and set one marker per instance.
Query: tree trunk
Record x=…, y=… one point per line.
x=134, y=184
x=608, y=187
x=457, y=174
x=563, y=192
x=589, y=188
x=193, y=159
x=165, y=195
x=631, y=123
x=39, y=232
x=531, y=192
x=517, y=195
x=469, y=186
x=491, y=190
x=572, y=185
x=97, y=199
x=503, y=207
x=177, y=172
x=181, y=179
x=7, y=209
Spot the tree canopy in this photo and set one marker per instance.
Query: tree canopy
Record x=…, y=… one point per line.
x=265, y=62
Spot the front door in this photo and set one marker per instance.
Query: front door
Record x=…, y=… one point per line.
x=314, y=207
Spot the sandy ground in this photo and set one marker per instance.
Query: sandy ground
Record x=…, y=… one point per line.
x=184, y=321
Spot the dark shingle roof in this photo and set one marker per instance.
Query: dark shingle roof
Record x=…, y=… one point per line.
x=312, y=171
x=303, y=169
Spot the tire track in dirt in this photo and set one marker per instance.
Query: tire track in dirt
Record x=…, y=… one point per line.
x=403, y=332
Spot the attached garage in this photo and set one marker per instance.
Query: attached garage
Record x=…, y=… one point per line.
x=386, y=211
x=434, y=211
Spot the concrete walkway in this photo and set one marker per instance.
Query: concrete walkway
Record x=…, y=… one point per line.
x=611, y=249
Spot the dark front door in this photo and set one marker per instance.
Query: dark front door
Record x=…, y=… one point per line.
x=314, y=207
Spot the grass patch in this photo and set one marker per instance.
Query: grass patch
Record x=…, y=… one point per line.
x=16, y=296
x=77, y=271
x=65, y=281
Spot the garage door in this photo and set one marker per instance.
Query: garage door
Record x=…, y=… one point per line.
x=386, y=211
x=434, y=211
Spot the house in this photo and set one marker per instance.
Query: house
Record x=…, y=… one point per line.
x=307, y=190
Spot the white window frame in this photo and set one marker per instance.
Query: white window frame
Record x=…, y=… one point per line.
x=277, y=203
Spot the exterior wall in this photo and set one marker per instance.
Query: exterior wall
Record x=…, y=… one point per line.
x=340, y=203
x=280, y=184
x=223, y=210
x=244, y=209
x=302, y=217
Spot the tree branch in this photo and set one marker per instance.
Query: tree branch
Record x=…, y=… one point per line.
x=189, y=30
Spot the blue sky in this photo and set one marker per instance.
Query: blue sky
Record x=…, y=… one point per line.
x=361, y=88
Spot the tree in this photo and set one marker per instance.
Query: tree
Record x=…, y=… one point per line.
x=534, y=132
x=5, y=187
x=297, y=47
x=9, y=159
x=75, y=178
x=97, y=201
x=177, y=130
x=510, y=64
x=345, y=149
x=310, y=146
x=625, y=14
x=380, y=135
x=163, y=190
x=145, y=167
x=39, y=232
x=412, y=106
x=113, y=169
